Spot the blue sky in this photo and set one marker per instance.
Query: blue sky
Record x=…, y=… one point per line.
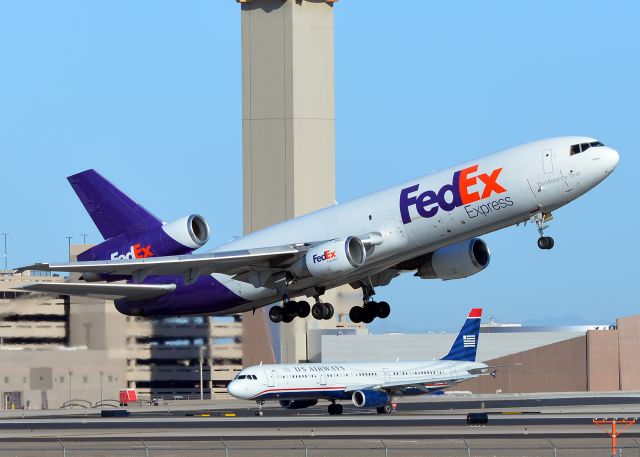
x=149, y=93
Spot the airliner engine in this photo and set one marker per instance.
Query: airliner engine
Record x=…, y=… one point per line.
x=182, y=236
x=369, y=398
x=331, y=258
x=456, y=261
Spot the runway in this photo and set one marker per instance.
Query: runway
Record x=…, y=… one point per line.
x=425, y=427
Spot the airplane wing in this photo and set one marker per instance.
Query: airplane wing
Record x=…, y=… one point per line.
x=190, y=266
x=424, y=384
x=101, y=290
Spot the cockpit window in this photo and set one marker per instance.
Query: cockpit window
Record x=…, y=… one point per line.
x=578, y=148
x=242, y=376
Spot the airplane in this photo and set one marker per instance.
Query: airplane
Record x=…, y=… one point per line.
x=428, y=225
x=367, y=385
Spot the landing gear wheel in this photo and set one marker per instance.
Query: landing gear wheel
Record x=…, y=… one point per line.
x=303, y=309
x=260, y=413
x=318, y=311
x=545, y=242
x=335, y=409
x=275, y=314
x=328, y=311
x=383, y=310
x=386, y=409
x=289, y=311
x=355, y=314
x=370, y=312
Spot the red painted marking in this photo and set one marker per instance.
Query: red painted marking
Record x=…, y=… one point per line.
x=297, y=389
x=476, y=312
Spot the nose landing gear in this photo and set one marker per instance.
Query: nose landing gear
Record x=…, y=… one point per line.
x=541, y=219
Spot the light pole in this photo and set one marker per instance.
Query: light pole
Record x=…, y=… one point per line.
x=6, y=267
x=84, y=238
x=70, y=374
x=69, y=238
x=101, y=396
x=202, y=348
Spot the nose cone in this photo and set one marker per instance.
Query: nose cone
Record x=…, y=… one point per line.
x=234, y=389
x=610, y=160
x=613, y=159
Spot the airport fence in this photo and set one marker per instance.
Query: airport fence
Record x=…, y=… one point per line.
x=334, y=447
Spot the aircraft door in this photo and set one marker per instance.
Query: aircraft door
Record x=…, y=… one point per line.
x=323, y=379
x=269, y=376
x=547, y=161
x=387, y=376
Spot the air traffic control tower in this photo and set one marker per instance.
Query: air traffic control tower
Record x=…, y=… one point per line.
x=288, y=140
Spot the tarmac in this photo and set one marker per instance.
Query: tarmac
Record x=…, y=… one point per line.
x=552, y=425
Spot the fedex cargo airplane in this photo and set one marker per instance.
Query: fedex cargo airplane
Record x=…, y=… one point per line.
x=367, y=385
x=428, y=226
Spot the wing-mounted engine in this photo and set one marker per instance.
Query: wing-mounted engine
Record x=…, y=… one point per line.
x=369, y=398
x=456, y=261
x=297, y=404
x=331, y=258
x=182, y=236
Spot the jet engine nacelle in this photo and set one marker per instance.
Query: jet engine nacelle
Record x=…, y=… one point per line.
x=331, y=258
x=175, y=238
x=190, y=231
x=369, y=398
x=456, y=261
x=297, y=404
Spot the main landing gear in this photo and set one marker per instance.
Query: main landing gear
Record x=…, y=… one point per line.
x=541, y=219
x=291, y=309
x=386, y=409
x=335, y=409
x=370, y=309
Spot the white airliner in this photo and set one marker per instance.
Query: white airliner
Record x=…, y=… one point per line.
x=367, y=385
x=427, y=225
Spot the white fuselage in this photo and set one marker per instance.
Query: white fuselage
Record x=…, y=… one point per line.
x=313, y=381
x=506, y=188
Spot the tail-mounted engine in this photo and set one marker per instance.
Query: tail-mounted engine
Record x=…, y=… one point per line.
x=175, y=238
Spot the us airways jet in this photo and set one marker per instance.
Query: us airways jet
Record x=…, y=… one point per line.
x=366, y=385
x=428, y=225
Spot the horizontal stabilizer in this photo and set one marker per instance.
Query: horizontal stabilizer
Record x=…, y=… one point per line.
x=487, y=369
x=107, y=291
x=230, y=262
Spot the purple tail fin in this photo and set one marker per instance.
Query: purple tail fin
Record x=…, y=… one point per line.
x=112, y=211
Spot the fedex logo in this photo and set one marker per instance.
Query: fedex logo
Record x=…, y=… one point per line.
x=137, y=252
x=461, y=191
x=326, y=255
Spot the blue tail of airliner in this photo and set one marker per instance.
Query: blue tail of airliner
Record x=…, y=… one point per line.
x=466, y=343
